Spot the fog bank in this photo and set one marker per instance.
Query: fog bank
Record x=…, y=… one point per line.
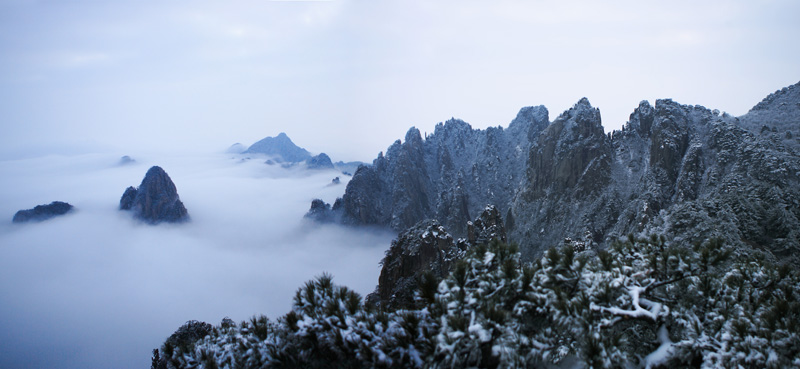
x=96, y=288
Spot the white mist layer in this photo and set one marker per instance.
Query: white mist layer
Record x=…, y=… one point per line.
x=95, y=288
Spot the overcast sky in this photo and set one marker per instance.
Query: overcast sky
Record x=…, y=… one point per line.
x=350, y=77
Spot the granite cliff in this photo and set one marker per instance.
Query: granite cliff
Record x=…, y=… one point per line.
x=156, y=199
x=685, y=171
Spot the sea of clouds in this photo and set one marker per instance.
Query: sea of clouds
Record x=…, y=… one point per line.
x=97, y=289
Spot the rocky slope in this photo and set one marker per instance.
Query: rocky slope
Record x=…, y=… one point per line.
x=685, y=171
x=428, y=247
x=42, y=212
x=156, y=199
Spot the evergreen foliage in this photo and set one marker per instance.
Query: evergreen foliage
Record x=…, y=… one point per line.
x=641, y=303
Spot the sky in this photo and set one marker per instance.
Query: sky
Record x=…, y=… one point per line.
x=98, y=289
x=349, y=77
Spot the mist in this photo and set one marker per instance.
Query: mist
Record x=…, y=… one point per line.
x=96, y=288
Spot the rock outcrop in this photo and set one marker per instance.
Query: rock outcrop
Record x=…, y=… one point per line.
x=323, y=212
x=280, y=146
x=156, y=199
x=42, y=212
x=428, y=247
x=321, y=161
x=684, y=171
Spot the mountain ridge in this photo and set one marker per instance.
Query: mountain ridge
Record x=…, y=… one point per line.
x=681, y=169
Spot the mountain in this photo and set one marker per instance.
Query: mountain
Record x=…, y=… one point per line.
x=703, y=187
x=156, y=199
x=42, y=212
x=321, y=161
x=680, y=170
x=284, y=150
x=280, y=145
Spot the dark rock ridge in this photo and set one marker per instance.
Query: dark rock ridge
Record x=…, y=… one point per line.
x=156, y=199
x=42, y=212
x=323, y=212
x=448, y=176
x=685, y=171
x=279, y=146
x=427, y=246
x=321, y=161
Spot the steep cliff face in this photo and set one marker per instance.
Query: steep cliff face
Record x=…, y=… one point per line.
x=685, y=171
x=571, y=157
x=449, y=175
x=156, y=199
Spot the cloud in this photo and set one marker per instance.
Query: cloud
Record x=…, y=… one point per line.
x=96, y=288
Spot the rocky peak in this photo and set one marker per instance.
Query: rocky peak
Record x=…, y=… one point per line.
x=155, y=200
x=281, y=146
x=532, y=120
x=413, y=137
x=428, y=246
x=321, y=161
x=641, y=119
x=571, y=154
x=669, y=139
x=684, y=171
x=448, y=175
x=323, y=212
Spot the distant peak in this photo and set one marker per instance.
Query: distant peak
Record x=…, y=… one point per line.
x=583, y=102
x=282, y=135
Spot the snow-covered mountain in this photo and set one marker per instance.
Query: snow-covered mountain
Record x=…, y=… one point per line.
x=685, y=171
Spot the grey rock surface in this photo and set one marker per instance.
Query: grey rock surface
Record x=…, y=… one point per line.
x=156, y=199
